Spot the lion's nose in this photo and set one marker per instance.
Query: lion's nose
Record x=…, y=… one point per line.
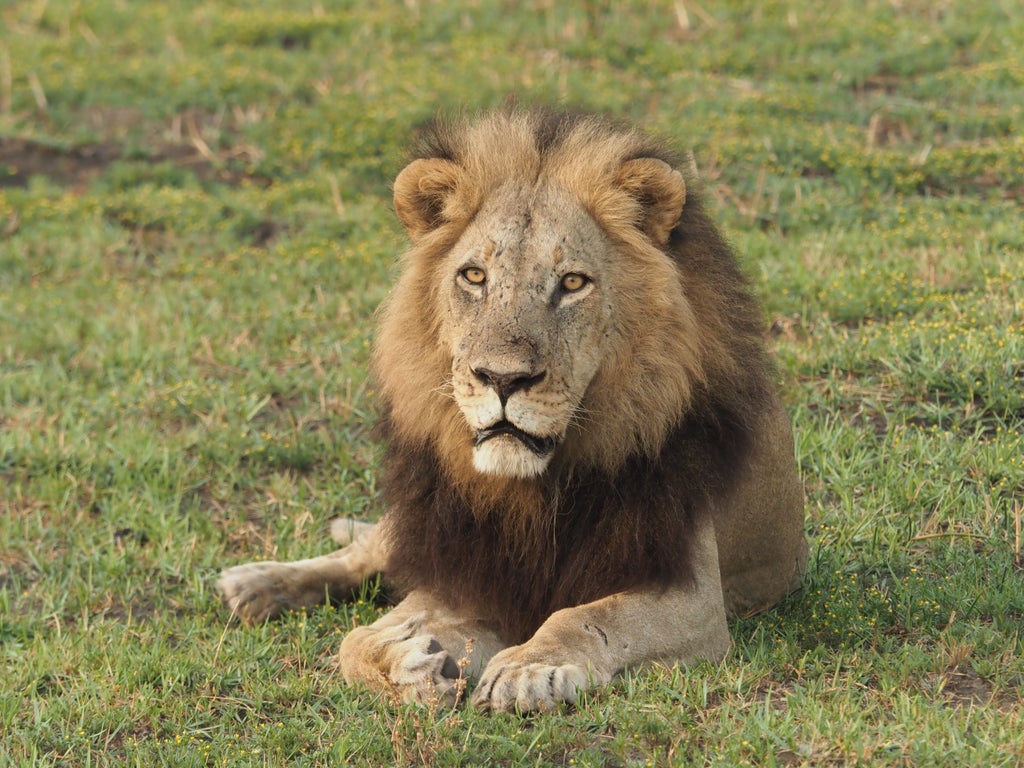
x=505, y=384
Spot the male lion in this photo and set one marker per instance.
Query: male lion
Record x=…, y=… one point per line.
x=586, y=467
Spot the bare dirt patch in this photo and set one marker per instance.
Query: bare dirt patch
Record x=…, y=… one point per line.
x=189, y=141
x=962, y=687
x=21, y=159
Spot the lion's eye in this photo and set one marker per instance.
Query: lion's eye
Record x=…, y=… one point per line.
x=573, y=282
x=474, y=275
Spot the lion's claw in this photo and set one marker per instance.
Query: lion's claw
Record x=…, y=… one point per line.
x=509, y=685
x=414, y=663
x=424, y=671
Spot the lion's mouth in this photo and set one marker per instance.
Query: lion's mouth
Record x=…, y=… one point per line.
x=541, y=446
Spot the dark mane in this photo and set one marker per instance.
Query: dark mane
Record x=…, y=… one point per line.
x=591, y=535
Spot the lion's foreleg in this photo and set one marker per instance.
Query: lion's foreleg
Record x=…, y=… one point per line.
x=583, y=647
x=258, y=591
x=420, y=650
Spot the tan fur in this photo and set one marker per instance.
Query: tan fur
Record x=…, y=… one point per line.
x=567, y=325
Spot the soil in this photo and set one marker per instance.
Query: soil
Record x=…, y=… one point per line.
x=179, y=143
x=21, y=159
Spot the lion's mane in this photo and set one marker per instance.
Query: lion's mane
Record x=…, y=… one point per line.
x=670, y=417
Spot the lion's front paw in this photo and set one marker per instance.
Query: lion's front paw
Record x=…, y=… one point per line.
x=423, y=671
x=411, y=662
x=513, y=682
x=256, y=592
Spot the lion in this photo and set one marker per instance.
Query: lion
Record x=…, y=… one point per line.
x=586, y=467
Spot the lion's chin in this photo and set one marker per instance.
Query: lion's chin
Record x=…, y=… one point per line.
x=507, y=456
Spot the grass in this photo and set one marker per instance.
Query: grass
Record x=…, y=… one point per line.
x=194, y=232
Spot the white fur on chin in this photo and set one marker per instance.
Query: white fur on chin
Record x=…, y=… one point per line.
x=507, y=457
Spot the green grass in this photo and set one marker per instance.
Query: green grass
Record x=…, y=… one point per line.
x=195, y=229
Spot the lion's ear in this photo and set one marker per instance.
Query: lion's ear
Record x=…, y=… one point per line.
x=661, y=192
x=425, y=194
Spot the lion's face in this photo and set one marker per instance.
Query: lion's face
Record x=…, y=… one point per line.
x=539, y=320
x=524, y=294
